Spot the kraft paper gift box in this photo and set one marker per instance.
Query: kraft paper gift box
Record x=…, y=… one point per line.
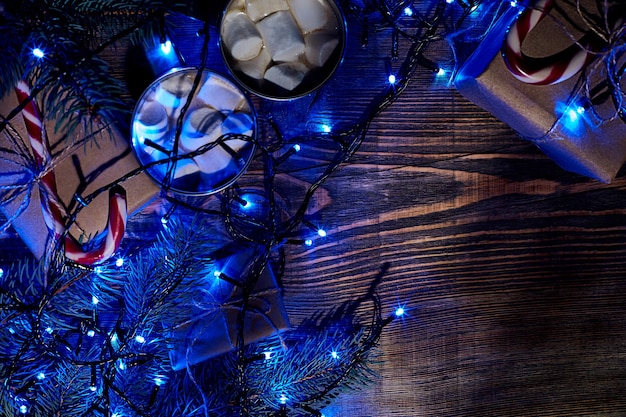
x=103, y=159
x=550, y=116
x=212, y=329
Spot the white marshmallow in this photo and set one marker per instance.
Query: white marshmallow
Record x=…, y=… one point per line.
x=310, y=14
x=151, y=122
x=319, y=47
x=288, y=75
x=172, y=90
x=221, y=95
x=213, y=160
x=259, y=9
x=282, y=36
x=202, y=126
x=257, y=66
x=240, y=36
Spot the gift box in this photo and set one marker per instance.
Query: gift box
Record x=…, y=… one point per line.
x=556, y=118
x=212, y=329
x=79, y=170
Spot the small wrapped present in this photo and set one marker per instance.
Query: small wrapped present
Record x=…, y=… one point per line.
x=555, y=109
x=212, y=328
x=79, y=170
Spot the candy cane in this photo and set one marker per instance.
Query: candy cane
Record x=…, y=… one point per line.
x=548, y=70
x=53, y=212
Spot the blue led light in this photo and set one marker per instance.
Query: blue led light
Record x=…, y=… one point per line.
x=308, y=242
x=296, y=147
x=23, y=409
x=408, y=11
x=91, y=333
x=283, y=399
x=400, y=311
x=334, y=354
x=321, y=232
x=93, y=388
x=1, y=272
x=163, y=220
x=158, y=381
x=392, y=79
x=38, y=53
x=513, y=3
x=94, y=300
x=267, y=355
x=41, y=376
x=441, y=72
x=119, y=262
x=166, y=47
x=325, y=128
x=449, y=1
x=140, y=339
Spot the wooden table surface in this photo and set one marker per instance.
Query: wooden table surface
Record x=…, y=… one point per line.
x=511, y=270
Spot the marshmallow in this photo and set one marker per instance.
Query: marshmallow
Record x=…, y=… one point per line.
x=310, y=14
x=221, y=95
x=288, y=75
x=213, y=160
x=202, y=126
x=282, y=36
x=172, y=90
x=151, y=122
x=256, y=67
x=241, y=37
x=259, y=9
x=238, y=123
x=319, y=47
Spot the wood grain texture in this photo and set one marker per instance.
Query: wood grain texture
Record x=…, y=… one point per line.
x=511, y=269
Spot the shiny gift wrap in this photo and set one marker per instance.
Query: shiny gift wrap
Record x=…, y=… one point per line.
x=556, y=118
x=82, y=163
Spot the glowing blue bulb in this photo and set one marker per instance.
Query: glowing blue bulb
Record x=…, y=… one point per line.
x=473, y=8
x=334, y=354
x=441, y=72
x=392, y=79
x=11, y=330
x=400, y=311
x=94, y=299
x=166, y=47
x=296, y=147
x=92, y=388
x=49, y=330
x=283, y=399
x=114, y=338
x=158, y=381
x=308, y=242
x=140, y=339
x=449, y=1
x=119, y=262
x=325, y=128
x=322, y=233
x=268, y=355
x=217, y=274
x=164, y=220
x=513, y=3
x=97, y=270
x=91, y=333
x=38, y=53
x=41, y=376
x=408, y=11
x=1, y=272
x=23, y=409
x=572, y=115
x=121, y=365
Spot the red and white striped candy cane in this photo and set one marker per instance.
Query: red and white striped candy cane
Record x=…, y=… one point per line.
x=53, y=211
x=546, y=70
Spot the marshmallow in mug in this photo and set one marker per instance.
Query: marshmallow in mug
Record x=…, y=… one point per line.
x=201, y=126
x=152, y=121
x=241, y=36
x=319, y=47
x=259, y=9
x=173, y=90
x=287, y=75
x=282, y=36
x=311, y=14
x=221, y=95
